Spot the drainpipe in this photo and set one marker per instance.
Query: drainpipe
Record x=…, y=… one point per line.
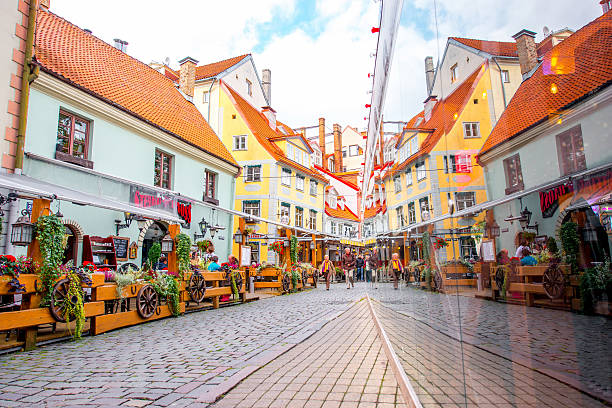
x=501, y=80
x=29, y=75
x=209, y=98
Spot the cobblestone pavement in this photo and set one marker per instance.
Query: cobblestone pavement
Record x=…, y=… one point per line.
x=180, y=362
x=574, y=348
x=343, y=365
x=435, y=366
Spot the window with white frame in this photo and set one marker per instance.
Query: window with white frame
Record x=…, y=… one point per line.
x=411, y=213
x=313, y=187
x=348, y=230
x=284, y=213
x=299, y=183
x=409, y=176
x=453, y=74
x=333, y=201
x=240, y=142
x=286, y=177
x=249, y=85
x=251, y=207
x=397, y=184
x=344, y=151
x=353, y=150
x=367, y=229
x=414, y=145
x=331, y=165
x=464, y=199
x=420, y=171
x=253, y=173
x=316, y=157
x=471, y=129
x=299, y=216
x=399, y=213
x=505, y=75
x=450, y=164
x=290, y=148
x=312, y=219
x=333, y=228
x=205, y=97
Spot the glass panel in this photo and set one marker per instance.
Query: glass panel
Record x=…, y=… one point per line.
x=63, y=133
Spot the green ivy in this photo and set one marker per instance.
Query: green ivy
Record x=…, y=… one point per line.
x=293, y=252
x=154, y=254
x=50, y=235
x=183, y=248
x=570, y=242
x=77, y=310
x=167, y=287
x=551, y=245
x=426, y=243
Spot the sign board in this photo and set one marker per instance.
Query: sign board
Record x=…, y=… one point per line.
x=133, y=250
x=121, y=247
x=148, y=198
x=245, y=255
x=487, y=251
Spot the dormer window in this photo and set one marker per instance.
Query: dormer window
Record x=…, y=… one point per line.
x=333, y=201
x=249, y=85
x=453, y=72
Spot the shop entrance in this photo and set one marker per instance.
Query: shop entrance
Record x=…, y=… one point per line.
x=154, y=233
x=594, y=245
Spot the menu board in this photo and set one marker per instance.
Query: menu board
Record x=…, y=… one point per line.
x=121, y=248
x=245, y=252
x=487, y=251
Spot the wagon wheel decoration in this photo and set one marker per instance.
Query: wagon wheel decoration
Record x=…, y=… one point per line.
x=286, y=282
x=417, y=274
x=60, y=299
x=437, y=278
x=553, y=281
x=304, y=278
x=196, y=287
x=146, y=301
x=500, y=277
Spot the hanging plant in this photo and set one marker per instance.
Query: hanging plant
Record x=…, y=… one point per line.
x=440, y=243
x=74, y=310
x=570, y=241
x=293, y=252
x=167, y=287
x=154, y=254
x=426, y=244
x=183, y=248
x=50, y=237
x=277, y=246
x=249, y=231
x=203, y=245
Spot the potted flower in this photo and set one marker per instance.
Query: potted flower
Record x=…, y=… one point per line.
x=440, y=243
x=277, y=246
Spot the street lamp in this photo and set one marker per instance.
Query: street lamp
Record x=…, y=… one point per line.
x=526, y=219
x=23, y=231
x=167, y=244
x=128, y=218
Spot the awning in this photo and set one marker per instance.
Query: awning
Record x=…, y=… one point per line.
x=36, y=188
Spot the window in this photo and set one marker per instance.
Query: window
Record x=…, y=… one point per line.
x=453, y=72
x=353, y=150
x=505, y=75
x=313, y=187
x=468, y=247
x=312, y=220
x=420, y=171
x=409, y=176
x=254, y=252
x=284, y=213
x=367, y=230
x=333, y=229
x=414, y=145
x=411, y=213
x=514, y=175
x=463, y=163
x=464, y=199
x=450, y=164
x=252, y=173
x=333, y=201
x=348, y=230
x=399, y=212
x=286, y=177
x=72, y=139
x=471, y=129
x=397, y=183
x=299, y=216
x=249, y=85
x=299, y=183
x=163, y=170
x=210, y=189
x=205, y=96
x=317, y=157
x=570, y=150
x=240, y=142
x=331, y=165
x=251, y=207
x=344, y=151
x=424, y=207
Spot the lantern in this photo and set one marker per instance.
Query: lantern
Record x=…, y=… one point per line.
x=238, y=237
x=167, y=244
x=22, y=232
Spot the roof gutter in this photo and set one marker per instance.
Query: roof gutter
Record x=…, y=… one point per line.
x=29, y=74
x=501, y=80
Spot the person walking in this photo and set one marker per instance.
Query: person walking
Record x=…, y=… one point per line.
x=396, y=269
x=373, y=266
x=327, y=269
x=360, y=266
x=348, y=266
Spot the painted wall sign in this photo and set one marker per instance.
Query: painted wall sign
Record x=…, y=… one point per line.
x=183, y=210
x=549, y=199
x=152, y=199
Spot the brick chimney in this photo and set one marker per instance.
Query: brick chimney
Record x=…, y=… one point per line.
x=187, y=75
x=322, y=142
x=430, y=102
x=337, y=148
x=606, y=5
x=429, y=73
x=270, y=114
x=526, y=48
x=266, y=83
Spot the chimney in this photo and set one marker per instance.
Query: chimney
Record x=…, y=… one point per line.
x=270, y=114
x=526, y=48
x=266, y=83
x=187, y=75
x=337, y=148
x=121, y=45
x=44, y=4
x=429, y=73
x=322, y=142
x=87, y=30
x=606, y=5
x=430, y=102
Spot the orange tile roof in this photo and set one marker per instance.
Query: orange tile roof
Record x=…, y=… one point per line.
x=339, y=213
x=442, y=117
x=497, y=48
x=210, y=70
x=575, y=68
x=83, y=60
x=170, y=73
x=258, y=123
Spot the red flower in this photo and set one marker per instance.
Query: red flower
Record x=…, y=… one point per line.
x=10, y=258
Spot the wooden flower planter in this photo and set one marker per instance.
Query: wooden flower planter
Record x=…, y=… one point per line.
x=204, y=289
x=453, y=279
x=268, y=278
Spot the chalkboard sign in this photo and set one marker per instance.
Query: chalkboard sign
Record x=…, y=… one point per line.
x=121, y=248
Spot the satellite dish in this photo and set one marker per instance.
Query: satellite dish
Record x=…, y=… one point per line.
x=546, y=31
x=167, y=61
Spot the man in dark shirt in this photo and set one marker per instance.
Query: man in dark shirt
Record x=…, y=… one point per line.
x=372, y=265
x=348, y=266
x=360, y=265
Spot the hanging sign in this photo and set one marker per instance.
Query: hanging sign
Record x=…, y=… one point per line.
x=151, y=199
x=549, y=199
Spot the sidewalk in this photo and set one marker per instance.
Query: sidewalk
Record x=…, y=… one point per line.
x=342, y=365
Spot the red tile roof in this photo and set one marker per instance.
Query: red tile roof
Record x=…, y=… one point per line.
x=498, y=48
x=575, y=69
x=83, y=60
x=442, y=117
x=258, y=123
x=340, y=213
x=210, y=70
